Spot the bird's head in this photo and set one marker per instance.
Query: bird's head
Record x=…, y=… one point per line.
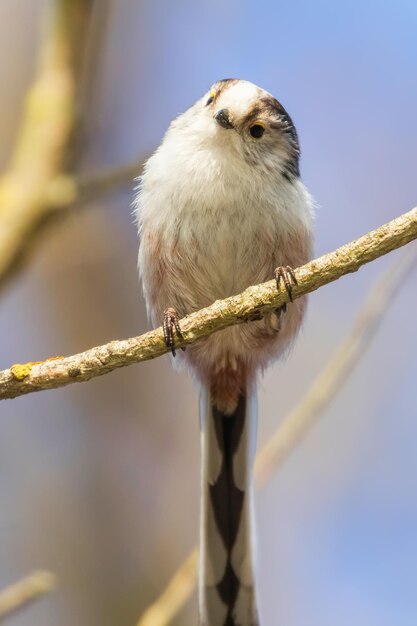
x=250, y=121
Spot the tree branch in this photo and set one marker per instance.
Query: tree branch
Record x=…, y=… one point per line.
x=65, y=192
x=59, y=371
x=24, y=592
x=295, y=425
x=175, y=595
x=93, y=187
x=45, y=132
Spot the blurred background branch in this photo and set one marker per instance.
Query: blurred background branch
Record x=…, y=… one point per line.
x=25, y=591
x=175, y=595
x=42, y=146
x=63, y=194
x=95, y=187
x=298, y=422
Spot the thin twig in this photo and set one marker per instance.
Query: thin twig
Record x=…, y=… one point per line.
x=67, y=192
x=24, y=592
x=59, y=371
x=176, y=594
x=93, y=187
x=297, y=423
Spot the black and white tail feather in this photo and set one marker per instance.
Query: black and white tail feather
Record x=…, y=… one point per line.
x=226, y=581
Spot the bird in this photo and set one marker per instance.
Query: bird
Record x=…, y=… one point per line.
x=221, y=206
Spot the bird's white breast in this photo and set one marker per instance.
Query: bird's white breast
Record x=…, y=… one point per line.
x=224, y=210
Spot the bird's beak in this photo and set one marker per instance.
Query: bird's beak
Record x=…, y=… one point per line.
x=222, y=118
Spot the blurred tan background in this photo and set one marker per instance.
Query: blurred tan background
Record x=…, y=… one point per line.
x=99, y=481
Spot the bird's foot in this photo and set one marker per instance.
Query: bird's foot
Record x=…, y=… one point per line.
x=171, y=328
x=285, y=273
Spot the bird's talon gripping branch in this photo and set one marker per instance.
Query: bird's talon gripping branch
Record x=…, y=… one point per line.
x=171, y=327
x=287, y=275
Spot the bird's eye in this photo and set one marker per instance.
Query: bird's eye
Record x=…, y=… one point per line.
x=210, y=100
x=257, y=130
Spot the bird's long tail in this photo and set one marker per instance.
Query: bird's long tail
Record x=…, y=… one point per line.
x=226, y=582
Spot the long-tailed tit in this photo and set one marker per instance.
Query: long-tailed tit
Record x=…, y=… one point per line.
x=220, y=207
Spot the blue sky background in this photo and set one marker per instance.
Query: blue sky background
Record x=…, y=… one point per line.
x=100, y=482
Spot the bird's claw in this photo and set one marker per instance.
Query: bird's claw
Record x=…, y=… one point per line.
x=171, y=328
x=285, y=273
